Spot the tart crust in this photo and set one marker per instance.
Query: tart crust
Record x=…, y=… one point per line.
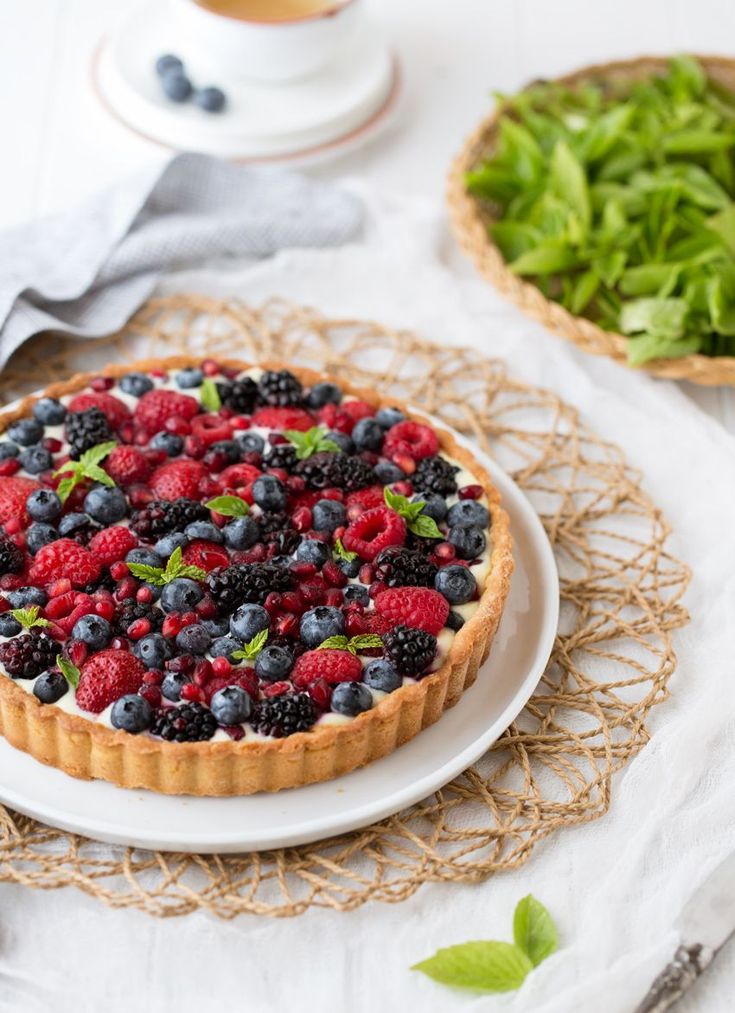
x=87, y=749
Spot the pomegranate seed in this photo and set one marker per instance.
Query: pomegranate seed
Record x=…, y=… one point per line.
x=52, y=444
x=216, y=460
x=76, y=651
x=210, y=367
x=177, y=424
x=206, y=609
x=403, y=488
x=376, y=587
x=276, y=439
x=144, y=595
x=106, y=609
x=334, y=597
x=9, y=466
x=119, y=644
x=126, y=432
x=252, y=457
x=234, y=731
x=354, y=623
x=272, y=602
x=140, y=495
x=141, y=438
x=11, y=582
x=102, y=383
x=313, y=594
x=276, y=689
x=57, y=633
x=19, y=540
x=279, y=473
x=153, y=677
x=4, y=605
x=119, y=570
x=301, y=519
x=162, y=374
x=202, y=672
x=255, y=555
x=61, y=586
x=470, y=492
x=291, y=601
x=302, y=570
x=405, y=463
x=444, y=553
x=208, y=487
x=366, y=574
x=287, y=625
x=332, y=494
x=125, y=589
x=295, y=483
x=181, y=663
x=152, y=694
x=194, y=447
x=221, y=666
x=240, y=423
x=172, y=625
x=321, y=693
x=333, y=575
x=139, y=628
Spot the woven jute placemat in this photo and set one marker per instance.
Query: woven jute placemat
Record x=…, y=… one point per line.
x=552, y=769
x=471, y=216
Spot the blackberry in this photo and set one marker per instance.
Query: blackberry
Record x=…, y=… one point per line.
x=286, y=541
x=399, y=567
x=283, y=455
x=279, y=716
x=27, y=656
x=232, y=586
x=11, y=557
x=130, y=610
x=191, y=723
x=271, y=523
x=85, y=430
x=105, y=582
x=240, y=395
x=434, y=474
x=410, y=650
x=279, y=388
x=160, y=517
x=325, y=470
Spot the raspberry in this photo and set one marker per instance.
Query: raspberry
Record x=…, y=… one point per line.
x=420, y=607
x=177, y=479
x=127, y=465
x=107, y=676
x=114, y=410
x=156, y=406
x=374, y=531
x=330, y=665
x=64, y=558
x=366, y=498
x=357, y=410
x=211, y=429
x=206, y=555
x=283, y=418
x=411, y=438
x=410, y=650
x=112, y=544
x=13, y=495
x=239, y=475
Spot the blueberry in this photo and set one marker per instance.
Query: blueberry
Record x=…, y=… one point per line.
x=168, y=62
x=454, y=621
x=188, y=378
x=468, y=542
x=136, y=384
x=204, y=529
x=250, y=443
x=456, y=583
x=219, y=627
x=70, y=523
x=357, y=592
x=43, y=505
x=170, y=443
x=131, y=713
x=351, y=698
x=193, y=639
x=328, y=514
x=231, y=705
x=230, y=448
x=92, y=630
x=176, y=85
x=49, y=412
x=211, y=100
x=268, y=493
x=9, y=625
x=173, y=683
x=322, y=394
x=320, y=623
x=26, y=432
x=153, y=650
x=349, y=567
x=106, y=504
x=388, y=417
x=343, y=441
x=225, y=647
x=468, y=513
x=181, y=595
x=26, y=596
x=8, y=450
x=167, y=545
x=247, y=621
x=368, y=434
x=36, y=459
x=273, y=663
x=380, y=674
x=39, y=535
x=387, y=472
x=312, y=551
x=144, y=557
x=50, y=686
x=434, y=505
x=241, y=533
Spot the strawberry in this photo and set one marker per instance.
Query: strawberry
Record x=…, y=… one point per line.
x=64, y=558
x=330, y=665
x=127, y=465
x=156, y=406
x=244, y=677
x=372, y=496
x=115, y=410
x=177, y=478
x=411, y=438
x=206, y=555
x=107, y=676
x=374, y=531
x=13, y=495
x=283, y=418
x=420, y=607
x=112, y=544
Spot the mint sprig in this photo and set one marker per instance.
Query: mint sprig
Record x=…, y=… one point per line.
x=417, y=522
x=362, y=642
x=69, y=670
x=28, y=618
x=342, y=553
x=86, y=468
x=313, y=441
x=175, y=568
x=252, y=649
x=493, y=966
x=209, y=395
x=228, y=506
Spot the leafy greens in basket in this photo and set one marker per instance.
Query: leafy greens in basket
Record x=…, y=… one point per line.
x=616, y=198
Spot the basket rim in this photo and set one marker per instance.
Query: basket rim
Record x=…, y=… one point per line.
x=469, y=227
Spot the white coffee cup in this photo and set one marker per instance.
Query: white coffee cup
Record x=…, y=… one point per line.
x=265, y=51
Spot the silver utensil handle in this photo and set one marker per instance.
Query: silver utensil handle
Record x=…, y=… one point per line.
x=678, y=976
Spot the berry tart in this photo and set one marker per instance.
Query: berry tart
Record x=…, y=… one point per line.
x=218, y=579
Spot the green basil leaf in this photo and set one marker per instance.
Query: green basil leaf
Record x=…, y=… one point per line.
x=724, y=225
x=649, y=279
x=228, y=506
x=209, y=395
x=696, y=142
x=70, y=671
x=546, y=258
x=569, y=181
x=424, y=527
x=514, y=238
x=481, y=966
x=665, y=318
x=534, y=930
x=646, y=347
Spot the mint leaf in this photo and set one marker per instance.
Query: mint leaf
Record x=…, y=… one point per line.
x=175, y=568
x=359, y=643
x=534, y=930
x=86, y=468
x=70, y=671
x=228, y=506
x=342, y=553
x=95, y=455
x=417, y=522
x=333, y=644
x=481, y=966
x=28, y=618
x=96, y=474
x=148, y=574
x=209, y=395
x=313, y=441
x=252, y=649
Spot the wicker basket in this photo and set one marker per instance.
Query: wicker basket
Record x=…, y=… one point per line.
x=471, y=217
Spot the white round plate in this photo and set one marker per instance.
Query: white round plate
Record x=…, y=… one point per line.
x=143, y=819
x=333, y=109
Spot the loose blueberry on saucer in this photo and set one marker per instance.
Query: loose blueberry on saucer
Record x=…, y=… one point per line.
x=176, y=85
x=211, y=100
x=167, y=63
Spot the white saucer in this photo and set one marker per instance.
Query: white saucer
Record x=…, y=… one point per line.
x=316, y=116
x=204, y=825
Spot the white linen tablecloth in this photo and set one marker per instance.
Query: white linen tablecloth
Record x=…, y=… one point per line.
x=614, y=886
